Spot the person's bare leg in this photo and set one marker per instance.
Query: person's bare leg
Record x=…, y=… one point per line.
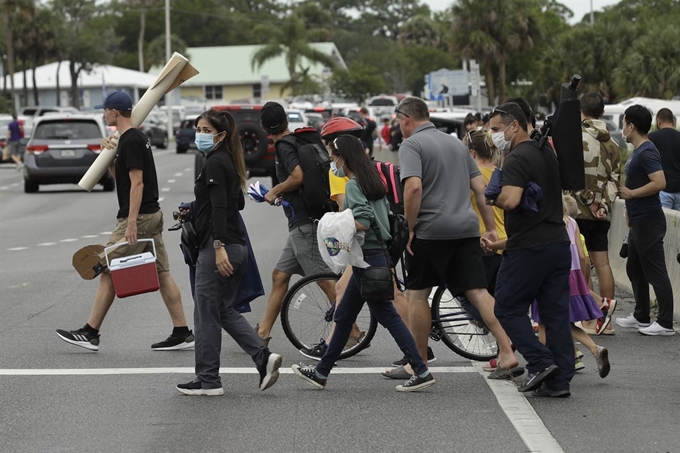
x=280, y=281
x=103, y=300
x=605, y=279
x=401, y=305
x=484, y=302
x=420, y=318
x=172, y=298
x=583, y=338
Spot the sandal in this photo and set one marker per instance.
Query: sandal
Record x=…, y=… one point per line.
x=506, y=375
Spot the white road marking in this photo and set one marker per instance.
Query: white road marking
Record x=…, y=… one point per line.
x=179, y=174
x=170, y=181
x=105, y=233
x=4, y=187
x=523, y=417
x=187, y=169
x=69, y=240
x=160, y=200
x=190, y=370
x=89, y=236
x=47, y=244
x=14, y=184
x=165, y=189
x=16, y=249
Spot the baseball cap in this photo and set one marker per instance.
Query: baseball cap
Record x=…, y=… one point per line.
x=118, y=100
x=273, y=115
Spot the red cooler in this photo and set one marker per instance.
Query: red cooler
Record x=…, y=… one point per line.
x=134, y=274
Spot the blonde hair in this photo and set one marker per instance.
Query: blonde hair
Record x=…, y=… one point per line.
x=570, y=206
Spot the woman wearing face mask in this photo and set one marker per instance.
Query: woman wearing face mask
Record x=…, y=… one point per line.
x=222, y=257
x=365, y=196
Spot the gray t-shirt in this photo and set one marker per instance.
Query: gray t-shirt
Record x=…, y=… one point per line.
x=445, y=166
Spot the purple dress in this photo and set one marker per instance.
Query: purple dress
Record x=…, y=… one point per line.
x=582, y=306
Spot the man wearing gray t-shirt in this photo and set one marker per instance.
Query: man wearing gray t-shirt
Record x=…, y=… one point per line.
x=438, y=173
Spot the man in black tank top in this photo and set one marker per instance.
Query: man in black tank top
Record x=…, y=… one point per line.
x=137, y=190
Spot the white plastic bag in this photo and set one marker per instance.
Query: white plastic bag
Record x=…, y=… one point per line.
x=338, y=244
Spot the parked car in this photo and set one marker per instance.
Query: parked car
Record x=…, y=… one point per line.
x=315, y=120
x=296, y=119
x=156, y=132
x=185, y=136
x=36, y=110
x=258, y=147
x=449, y=123
x=61, y=149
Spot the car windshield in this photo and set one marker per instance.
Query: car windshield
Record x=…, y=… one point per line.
x=382, y=102
x=67, y=130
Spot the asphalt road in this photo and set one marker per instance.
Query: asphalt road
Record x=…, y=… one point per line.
x=59, y=398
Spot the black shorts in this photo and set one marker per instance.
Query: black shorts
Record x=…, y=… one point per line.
x=595, y=232
x=456, y=263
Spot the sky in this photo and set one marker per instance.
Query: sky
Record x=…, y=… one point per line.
x=579, y=7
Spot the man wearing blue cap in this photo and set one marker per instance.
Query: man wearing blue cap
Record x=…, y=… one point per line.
x=137, y=189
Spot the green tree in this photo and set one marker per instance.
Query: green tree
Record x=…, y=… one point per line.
x=156, y=51
x=87, y=38
x=13, y=11
x=359, y=82
x=291, y=39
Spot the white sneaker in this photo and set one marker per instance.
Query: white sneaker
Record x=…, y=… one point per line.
x=630, y=321
x=657, y=330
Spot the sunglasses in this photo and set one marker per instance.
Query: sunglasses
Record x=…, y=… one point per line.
x=401, y=113
x=497, y=111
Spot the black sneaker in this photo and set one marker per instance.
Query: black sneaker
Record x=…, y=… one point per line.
x=196, y=389
x=416, y=383
x=544, y=391
x=316, y=351
x=403, y=362
x=80, y=337
x=175, y=342
x=269, y=372
x=308, y=373
x=534, y=380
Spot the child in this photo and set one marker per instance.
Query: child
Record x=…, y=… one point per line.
x=582, y=305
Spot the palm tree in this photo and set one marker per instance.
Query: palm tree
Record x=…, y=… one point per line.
x=472, y=36
x=291, y=39
x=419, y=30
x=11, y=11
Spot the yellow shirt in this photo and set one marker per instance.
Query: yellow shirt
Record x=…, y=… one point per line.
x=585, y=249
x=337, y=185
x=498, y=214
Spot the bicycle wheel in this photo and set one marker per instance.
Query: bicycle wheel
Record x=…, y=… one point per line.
x=459, y=332
x=307, y=315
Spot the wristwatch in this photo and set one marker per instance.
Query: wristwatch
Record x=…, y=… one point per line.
x=217, y=244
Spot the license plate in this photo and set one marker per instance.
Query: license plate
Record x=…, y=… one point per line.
x=68, y=153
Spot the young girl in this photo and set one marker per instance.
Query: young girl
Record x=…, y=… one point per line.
x=365, y=196
x=582, y=305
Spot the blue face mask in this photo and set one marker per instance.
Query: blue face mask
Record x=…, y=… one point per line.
x=339, y=172
x=204, y=142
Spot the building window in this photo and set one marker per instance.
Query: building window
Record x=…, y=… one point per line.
x=213, y=92
x=257, y=90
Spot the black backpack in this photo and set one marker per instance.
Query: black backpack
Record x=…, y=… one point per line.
x=315, y=164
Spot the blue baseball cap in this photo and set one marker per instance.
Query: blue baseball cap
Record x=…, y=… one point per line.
x=118, y=100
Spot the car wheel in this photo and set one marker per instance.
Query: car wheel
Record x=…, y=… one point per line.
x=31, y=186
x=255, y=142
x=109, y=184
x=199, y=161
x=164, y=143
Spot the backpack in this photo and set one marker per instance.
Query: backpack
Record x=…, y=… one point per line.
x=315, y=164
x=389, y=173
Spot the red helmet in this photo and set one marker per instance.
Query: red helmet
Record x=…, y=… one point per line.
x=340, y=125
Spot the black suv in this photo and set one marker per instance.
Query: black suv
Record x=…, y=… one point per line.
x=258, y=147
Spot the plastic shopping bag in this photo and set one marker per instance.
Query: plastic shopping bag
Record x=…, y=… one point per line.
x=338, y=243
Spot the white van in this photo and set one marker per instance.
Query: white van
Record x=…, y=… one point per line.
x=614, y=112
x=383, y=105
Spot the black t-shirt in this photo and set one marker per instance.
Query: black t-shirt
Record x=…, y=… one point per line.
x=219, y=199
x=286, y=161
x=369, y=129
x=134, y=152
x=667, y=141
x=529, y=163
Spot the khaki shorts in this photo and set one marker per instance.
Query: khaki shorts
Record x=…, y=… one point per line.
x=148, y=226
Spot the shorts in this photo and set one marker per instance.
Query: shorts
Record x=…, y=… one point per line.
x=148, y=226
x=454, y=262
x=14, y=148
x=595, y=232
x=301, y=254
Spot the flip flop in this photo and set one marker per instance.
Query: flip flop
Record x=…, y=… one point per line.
x=397, y=373
x=492, y=365
x=506, y=375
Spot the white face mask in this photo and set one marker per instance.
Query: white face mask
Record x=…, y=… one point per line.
x=500, y=142
x=625, y=136
x=339, y=172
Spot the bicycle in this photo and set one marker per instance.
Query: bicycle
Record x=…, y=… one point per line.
x=307, y=316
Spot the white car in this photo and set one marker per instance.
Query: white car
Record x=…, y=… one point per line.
x=296, y=119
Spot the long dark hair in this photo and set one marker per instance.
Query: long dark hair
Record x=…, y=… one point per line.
x=224, y=122
x=352, y=152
